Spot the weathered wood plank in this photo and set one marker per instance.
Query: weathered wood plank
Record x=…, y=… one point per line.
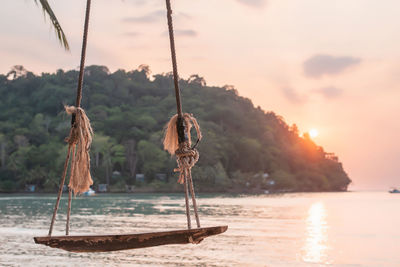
x=102, y=243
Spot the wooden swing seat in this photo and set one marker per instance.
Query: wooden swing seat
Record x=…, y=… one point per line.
x=103, y=243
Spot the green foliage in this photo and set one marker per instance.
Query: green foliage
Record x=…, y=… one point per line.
x=118, y=187
x=152, y=158
x=221, y=177
x=108, y=155
x=128, y=112
x=7, y=186
x=284, y=180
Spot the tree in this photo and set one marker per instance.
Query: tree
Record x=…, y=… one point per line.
x=196, y=79
x=131, y=156
x=110, y=152
x=153, y=159
x=3, y=154
x=101, y=147
x=128, y=112
x=16, y=72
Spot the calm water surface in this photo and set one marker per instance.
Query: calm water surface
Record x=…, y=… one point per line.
x=320, y=229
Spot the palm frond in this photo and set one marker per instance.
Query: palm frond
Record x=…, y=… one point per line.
x=57, y=27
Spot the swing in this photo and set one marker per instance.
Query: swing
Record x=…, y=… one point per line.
x=177, y=141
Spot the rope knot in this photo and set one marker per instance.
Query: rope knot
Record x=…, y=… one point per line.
x=186, y=156
x=73, y=137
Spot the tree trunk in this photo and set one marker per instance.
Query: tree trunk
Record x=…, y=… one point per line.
x=107, y=173
x=47, y=122
x=131, y=157
x=133, y=168
x=97, y=158
x=108, y=170
x=3, y=154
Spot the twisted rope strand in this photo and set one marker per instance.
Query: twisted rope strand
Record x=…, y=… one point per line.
x=173, y=57
x=83, y=54
x=191, y=187
x=189, y=223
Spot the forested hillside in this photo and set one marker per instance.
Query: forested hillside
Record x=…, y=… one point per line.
x=244, y=148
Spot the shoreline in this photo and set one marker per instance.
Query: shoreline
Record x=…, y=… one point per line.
x=200, y=192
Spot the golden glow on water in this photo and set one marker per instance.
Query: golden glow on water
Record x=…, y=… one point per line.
x=315, y=247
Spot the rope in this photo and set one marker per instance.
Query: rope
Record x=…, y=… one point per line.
x=60, y=191
x=177, y=134
x=83, y=55
x=69, y=211
x=189, y=223
x=173, y=57
x=189, y=177
x=79, y=140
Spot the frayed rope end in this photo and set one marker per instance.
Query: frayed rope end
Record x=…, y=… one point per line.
x=80, y=138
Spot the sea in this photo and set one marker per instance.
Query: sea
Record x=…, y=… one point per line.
x=296, y=229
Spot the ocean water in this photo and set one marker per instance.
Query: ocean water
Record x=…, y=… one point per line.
x=305, y=229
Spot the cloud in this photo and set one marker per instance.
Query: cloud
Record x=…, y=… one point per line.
x=131, y=34
x=155, y=17
x=138, y=2
x=253, y=3
x=189, y=33
x=329, y=92
x=182, y=15
x=149, y=18
x=319, y=65
x=184, y=33
x=293, y=96
x=143, y=2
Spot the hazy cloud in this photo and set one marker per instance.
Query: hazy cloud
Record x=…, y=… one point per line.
x=149, y=18
x=253, y=3
x=181, y=15
x=138, y=2
x=131, y=34
x=189, y=33
x=318, y=65
x=185, y=33
x=329, y=92
x=155, y=16
x=293, y=96
x=143, y=2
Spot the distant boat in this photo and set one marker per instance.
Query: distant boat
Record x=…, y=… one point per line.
x=89, y=193
x=394, y=191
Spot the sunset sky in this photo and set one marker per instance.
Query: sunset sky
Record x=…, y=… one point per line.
x=333, y=66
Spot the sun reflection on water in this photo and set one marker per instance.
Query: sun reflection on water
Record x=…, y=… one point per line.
x=315, y=248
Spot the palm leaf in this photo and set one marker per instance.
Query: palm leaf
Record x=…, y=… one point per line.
x=57, y=27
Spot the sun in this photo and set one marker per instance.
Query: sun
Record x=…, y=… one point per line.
x=313, y=133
